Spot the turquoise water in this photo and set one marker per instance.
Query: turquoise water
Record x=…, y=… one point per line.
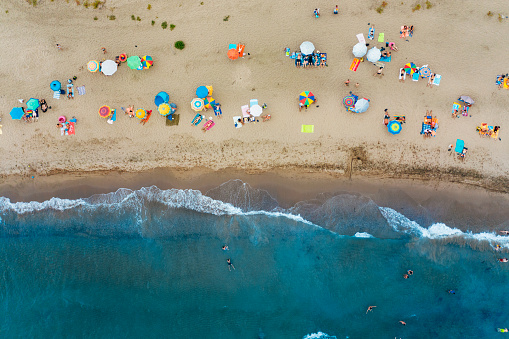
x=149, y=263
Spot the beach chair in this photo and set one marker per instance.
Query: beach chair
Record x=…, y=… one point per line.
x=402, y=76
x=437, y=79
x=56, y=95
x=415, y=76
x=253, y=102
x=197, y=119
x=245, y=112
x=355, y=64
x=81, y=90
x=236, y=122
x=360, y=37
x=371, y=34
x=208, y=125
x=381, y=37
x=424, y=127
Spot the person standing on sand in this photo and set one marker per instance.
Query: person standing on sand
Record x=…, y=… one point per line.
x=347, y=82
x=336, y=10
x=104, y=50
x=59, y=47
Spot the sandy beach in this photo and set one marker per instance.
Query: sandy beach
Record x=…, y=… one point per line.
x=467, y=50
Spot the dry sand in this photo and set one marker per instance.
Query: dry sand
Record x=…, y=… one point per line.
x=455, y=38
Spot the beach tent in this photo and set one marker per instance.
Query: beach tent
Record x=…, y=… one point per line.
x=394, y=127
x=361, y=106
x=307, y=48
x=134, y=62
x=55, y=85
x=359, y=50
x=17, y=113
x=109, y=67
x=202, y=92
x=93, y=66
x=161, y=98
x=459, y=146
x=33, y=104
x=374, y=55
x=466, y=99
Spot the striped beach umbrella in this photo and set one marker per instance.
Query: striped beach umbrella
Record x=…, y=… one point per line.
x=93, y=66
x=349, y=101
x=104, y=111
x=197, y=104
x=424, y=72
x=140, y=113
x=208, y=102
x=164, y=109
x=133, y=62
x=394, y=127
x=146, y=61
x=306, y=98
x=410, y=68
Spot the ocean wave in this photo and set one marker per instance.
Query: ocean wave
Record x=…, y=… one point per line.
x=319, y=335
x=363, y=235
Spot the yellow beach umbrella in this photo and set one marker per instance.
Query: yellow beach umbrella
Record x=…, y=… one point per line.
x=140, y=113
x=164, y=109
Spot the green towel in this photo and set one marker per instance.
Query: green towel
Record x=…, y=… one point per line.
x=307, y=129
x=381, y=37
x=174, y=122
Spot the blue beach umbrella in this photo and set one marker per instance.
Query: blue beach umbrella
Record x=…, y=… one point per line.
x=394, y=127
x=202, y=92
x=161, y=98
x=17, y=113
x=33, y=104
x=55, y=85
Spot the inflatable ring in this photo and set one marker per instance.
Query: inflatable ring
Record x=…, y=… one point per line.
x=61, y=119
x=123, y=57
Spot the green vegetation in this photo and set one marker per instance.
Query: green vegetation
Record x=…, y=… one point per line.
x=97, y=3
x=164, y=24
x=500, y=17
x=138, y=18
x=6, y=12
x=180, y=45
x=172, y=27
x=490, y=13
x=149, y=7
x=380, y=9
x=133, y=17
x=111, y=17
x=153, y=22
x=78, y=2
x=416, y=8
x=95, y=18
x=32, y=2
x=428, y=4
x=226, y=18
x=86, y=4
x=201, y=3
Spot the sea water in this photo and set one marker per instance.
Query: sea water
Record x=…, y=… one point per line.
x=149, y=263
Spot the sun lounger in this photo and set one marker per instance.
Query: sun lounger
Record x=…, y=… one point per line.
x=385, y=59
x=253, y=102
x=217, y=110
x=381, y=37
x=208, y=125
x=197, y=119
x=456, y=106
x=81, y=90
x=245, y=112
x=360, y=37
x=307, y=128
x=371, y=34
x=355, y=64
x=56, y=95
x=415, y=76
x=236, y=121
x=437, y=79
x=402, y=76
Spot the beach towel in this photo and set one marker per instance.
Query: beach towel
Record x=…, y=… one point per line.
x=355, y=64
x=241, y=50
x=236, y=121
x=402, y=76
x=232, y=46
x=497, y=82
x=415, y=76
x=506, y=83
x=70, y=89
x=460, y=144
x=245, y=112
x=424, y=127
x=403, y=33
x=371, y=33
x=464, y=111
x=208, y=125
x=56, y=95
x=71, y=131
x=114, y=115
x=287, y=51
x=172, y=120
x=197, y=119
x=307, y=128
x=381, y=37
x=217, y=110
x=360, y=37
x=0, y=129
x=253, y=102
x=456, y=106
x=437, y=79
x=386, y=59
x=81, y=90
x=323, y=57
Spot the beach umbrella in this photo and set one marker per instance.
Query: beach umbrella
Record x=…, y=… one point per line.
x=202, y=92
x=374, y=55
x=109, y=67
x=307, y=48
x=208, y=102
x=140, y=113
x=197, y=104
x=349, y=101
x=233, y=54
x=17, y=113
x=33, y=104
x=93, y=66
x=394, y=127
x=424, y=71
x=256, y=110
x=306, y=98
x=410, y=68
x=134, y=62
x=359, y=50
x=122, y=57
x=104, y=111
x=210, y=89
x=161, y=98
x=466, y=99
x=55, y=85
x=164, y=109
x=361, y=106
x=147, y=61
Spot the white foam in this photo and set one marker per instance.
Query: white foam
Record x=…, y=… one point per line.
x=318, y=335
x=363, y=235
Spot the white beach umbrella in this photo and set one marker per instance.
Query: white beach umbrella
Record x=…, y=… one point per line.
x=359, y=50
x=109, y=67
x=307, y=47
x=256, y=110
x=361, y=105
x=374, y=55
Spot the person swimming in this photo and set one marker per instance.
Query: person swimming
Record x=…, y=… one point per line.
x=503, y=260
x=451, y=292
x=230, y=265
x=410, y=272
x=225, y=248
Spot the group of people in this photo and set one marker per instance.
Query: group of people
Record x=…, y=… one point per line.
x=456, y=113
x=400, y=118
x=406, y=31
x=312, y=60
x=316, y=12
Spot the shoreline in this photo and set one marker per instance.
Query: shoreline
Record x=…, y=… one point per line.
x=429, y=201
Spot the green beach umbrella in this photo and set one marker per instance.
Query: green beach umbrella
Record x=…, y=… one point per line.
x=134, y=62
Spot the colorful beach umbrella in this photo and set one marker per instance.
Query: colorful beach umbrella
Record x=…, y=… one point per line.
x=424, y=72
x=55, y=85
x=233, y=54
x=104, y=111
x=164, y=109
x=360, y=106
x=208, y=102
x=349, y=101
x=147, y=61
x=140, y=113
x=394, y=127
x=202, y=92
x=374, y=54
x=109, y=67
x=133, y=62
x=33, y=104
x=307, y=48
x=161, y=98
x=197, y=104
x=93, y=66
x=410, y=68
x=359, y=50
x=122, y=57
x=17, y=113
x=306, y=98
